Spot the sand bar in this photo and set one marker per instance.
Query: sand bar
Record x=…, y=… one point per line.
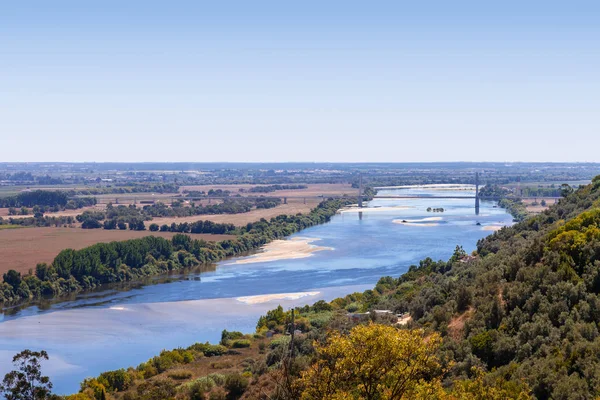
x=493, y=228
x=277, y=296
x=429, y=221
x=284, y=250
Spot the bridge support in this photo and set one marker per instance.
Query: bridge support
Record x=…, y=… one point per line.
x=360, y=193
x=476, y=193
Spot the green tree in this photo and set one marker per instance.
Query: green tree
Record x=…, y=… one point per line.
x=27, y=382
x=13, y=278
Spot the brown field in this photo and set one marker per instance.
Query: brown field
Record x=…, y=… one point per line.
x=21, y=249
x=293, y=207
x=536, y=209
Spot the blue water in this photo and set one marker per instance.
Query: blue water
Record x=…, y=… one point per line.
x=115, y=329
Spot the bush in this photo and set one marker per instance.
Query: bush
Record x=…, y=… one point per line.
x=180, y=375
x=236, y=385
x=241, y=343
x=218, y=379
x=221, y=364
x=118, y=380
x=209, y=350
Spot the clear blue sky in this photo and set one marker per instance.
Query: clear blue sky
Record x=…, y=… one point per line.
x=299, y=81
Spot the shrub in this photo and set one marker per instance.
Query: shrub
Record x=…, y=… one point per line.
x=236, y=385
x=240, y=344
x=118, y=380
x=221, y=364
x=180, y=375
x=218, y=379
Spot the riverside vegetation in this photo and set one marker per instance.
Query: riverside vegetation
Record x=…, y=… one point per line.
x=104, y=263
x=518, y=319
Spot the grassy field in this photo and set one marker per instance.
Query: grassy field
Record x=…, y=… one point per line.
x=22, y=249
x=3, y=227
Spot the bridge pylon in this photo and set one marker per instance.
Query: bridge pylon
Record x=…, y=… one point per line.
x=360, y=199
x=476, y=193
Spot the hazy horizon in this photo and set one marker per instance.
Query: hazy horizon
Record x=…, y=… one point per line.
x=312, y=82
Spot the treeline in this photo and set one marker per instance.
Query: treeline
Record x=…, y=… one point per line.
x=493, y=191
x=75, y=270
x=121, y=217
x=273, y=188
x=46, y=200
x=127, y=188
x=197, y=227
x=39, y=221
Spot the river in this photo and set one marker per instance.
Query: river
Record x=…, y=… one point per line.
x=116, y=329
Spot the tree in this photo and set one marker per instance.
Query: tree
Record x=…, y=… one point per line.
x=236, y=386
x=13, y=278
x=371, y=362
x=459, y=254
x=27, y=382
x=153, y=227
x=565, y=190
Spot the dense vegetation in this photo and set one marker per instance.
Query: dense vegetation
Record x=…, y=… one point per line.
x=273, y=188
x=525, y=309
x=74, y=270
x=46, y=200
x=39, y=220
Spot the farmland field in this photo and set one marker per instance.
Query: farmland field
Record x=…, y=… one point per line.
x=21, y=249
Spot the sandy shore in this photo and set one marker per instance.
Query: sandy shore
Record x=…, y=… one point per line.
x=284, y=250
x=493, y=228
x=277, y=296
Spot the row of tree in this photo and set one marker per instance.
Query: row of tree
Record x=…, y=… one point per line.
x=46, y=200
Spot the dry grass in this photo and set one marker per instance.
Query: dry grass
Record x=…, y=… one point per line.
x=203, y=366
x=293, y=207
x=22, y=249
x=457, y=324
x=537, y=208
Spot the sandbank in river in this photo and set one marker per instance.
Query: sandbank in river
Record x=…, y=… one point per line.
x=298, y=247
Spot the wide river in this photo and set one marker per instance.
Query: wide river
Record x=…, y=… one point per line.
x=116, y=329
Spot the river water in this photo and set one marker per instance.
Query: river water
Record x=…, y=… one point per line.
x=116, y=329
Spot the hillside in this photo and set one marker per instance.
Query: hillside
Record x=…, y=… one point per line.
x=526, y=308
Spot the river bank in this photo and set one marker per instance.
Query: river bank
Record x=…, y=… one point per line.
x=117, y=329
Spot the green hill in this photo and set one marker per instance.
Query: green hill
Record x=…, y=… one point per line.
x=525, y=308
